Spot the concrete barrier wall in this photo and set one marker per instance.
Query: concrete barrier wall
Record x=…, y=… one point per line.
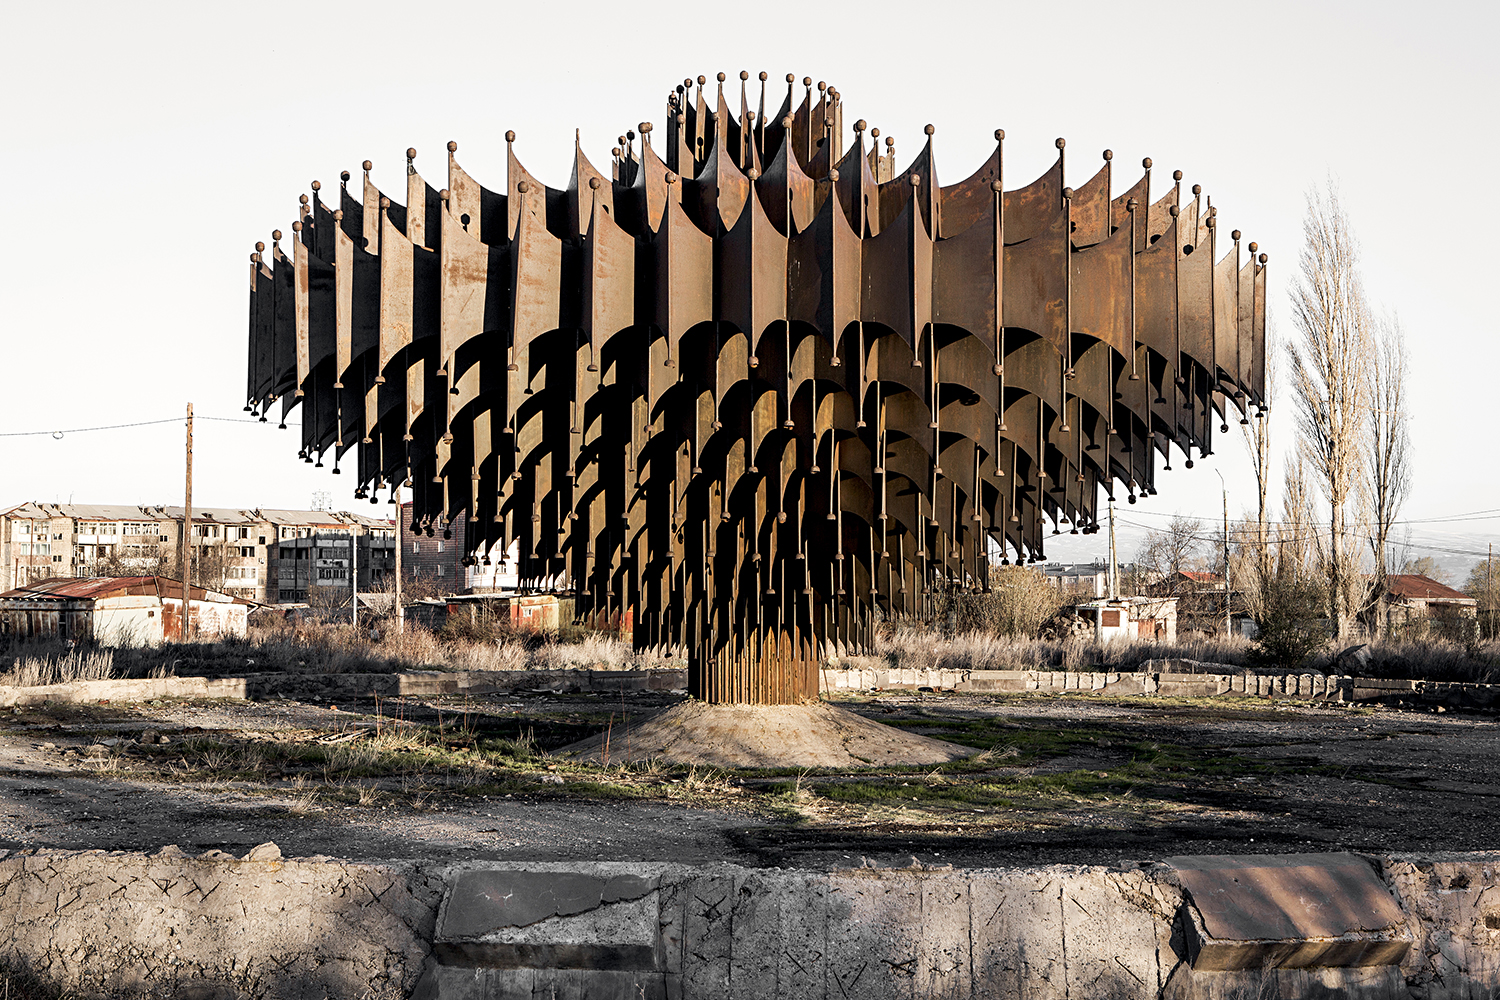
x=321, y=687
x=1307, y=686
x=220, y=928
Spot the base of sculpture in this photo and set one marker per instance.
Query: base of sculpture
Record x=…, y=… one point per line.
x=811, y=734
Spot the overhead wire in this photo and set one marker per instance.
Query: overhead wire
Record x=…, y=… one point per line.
x=61, y=432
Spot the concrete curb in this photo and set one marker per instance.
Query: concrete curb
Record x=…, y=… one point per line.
x=321, y=687
x=221, y=928
x=1307, y=687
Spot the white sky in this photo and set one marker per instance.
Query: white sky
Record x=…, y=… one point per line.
x=149, y=146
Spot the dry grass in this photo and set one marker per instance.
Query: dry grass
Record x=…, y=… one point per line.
x=1428, y=658
x=73, y=665
x=1422, y=659
x=912, y=648
x=315, y=649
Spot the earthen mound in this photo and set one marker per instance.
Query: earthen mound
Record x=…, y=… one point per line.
x=813, y=734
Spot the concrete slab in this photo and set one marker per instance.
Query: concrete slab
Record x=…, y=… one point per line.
x=1289, y=911
x=506, y=919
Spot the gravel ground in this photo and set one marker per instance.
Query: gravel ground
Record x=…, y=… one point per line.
x=1325, y=779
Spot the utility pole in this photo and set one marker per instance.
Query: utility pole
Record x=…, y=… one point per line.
x=1228, y=623
x=1114, y=576
x=1489, y=594
x=400, y=518
x=185, y=629
x=354, y=571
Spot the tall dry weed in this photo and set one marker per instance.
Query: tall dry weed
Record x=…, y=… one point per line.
x=75, y=665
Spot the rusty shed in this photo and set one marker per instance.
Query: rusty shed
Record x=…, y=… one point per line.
x=118, y=610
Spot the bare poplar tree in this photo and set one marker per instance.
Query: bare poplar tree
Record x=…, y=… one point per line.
x=1328, y=359
x=1390, y=447
x=1258, y=441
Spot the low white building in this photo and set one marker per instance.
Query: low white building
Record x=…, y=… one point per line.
x=1150, y=618
x=118, y=611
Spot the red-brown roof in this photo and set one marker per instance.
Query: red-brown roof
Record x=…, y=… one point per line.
x=67, y=588
x=1415, y=586
x=1200, y=577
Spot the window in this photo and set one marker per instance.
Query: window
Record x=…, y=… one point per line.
x=441, y=546
x=57, y=558
x=416, y=548
x=332, y=573
x=244, y=532
x=440, y=570
x=247, y=551
x=286, y=553
x=262, y=539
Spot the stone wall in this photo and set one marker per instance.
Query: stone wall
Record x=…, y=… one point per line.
x=216, y=927
x=219, y=928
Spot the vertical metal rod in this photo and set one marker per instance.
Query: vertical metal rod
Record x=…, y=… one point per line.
x=401, y=611
x=185, y=628
x=1114, y=576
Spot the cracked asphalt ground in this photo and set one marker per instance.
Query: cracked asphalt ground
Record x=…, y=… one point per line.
x=1063, y=779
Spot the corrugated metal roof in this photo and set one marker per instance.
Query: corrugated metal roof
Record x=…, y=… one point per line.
x=1415, y=586
x=307, y=518
x=221, y=515
x=370, y=522
x=32, y=509
x=83, y=588
x=96, y=588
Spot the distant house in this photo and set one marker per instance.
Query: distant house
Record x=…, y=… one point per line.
x=1150, y=618
x=118, y=611
x=1090, y=579
x=1185, y=581
x=267, y=556
x=1411, y=598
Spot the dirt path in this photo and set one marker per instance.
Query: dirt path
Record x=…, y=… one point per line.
x=1211, y=777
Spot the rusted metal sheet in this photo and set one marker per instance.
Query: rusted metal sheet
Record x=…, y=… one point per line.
x=751, y=399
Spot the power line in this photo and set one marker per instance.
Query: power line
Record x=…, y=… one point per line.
x=1491, y=514
x=140, y=423
x=1244, y=535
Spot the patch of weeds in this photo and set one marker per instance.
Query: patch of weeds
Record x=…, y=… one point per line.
x=605, y=790
x=17, y=982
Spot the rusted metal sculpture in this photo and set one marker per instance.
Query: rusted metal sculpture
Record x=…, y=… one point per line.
x=753, y=390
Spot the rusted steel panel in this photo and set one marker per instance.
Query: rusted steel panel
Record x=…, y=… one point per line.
x=752, y=400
